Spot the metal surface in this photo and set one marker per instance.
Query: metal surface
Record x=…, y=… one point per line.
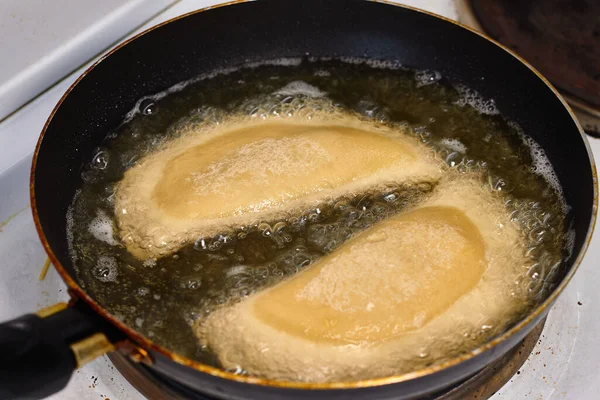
x=556, y=58
x=90, y=348
x=561, y=38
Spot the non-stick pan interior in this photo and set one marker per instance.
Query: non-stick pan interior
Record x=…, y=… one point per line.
x=265, y=30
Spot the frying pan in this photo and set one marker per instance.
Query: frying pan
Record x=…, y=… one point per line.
x=40, y=351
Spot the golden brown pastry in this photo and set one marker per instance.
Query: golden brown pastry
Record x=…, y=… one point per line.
x=213, y=178
x=373, y=288
x=389, y=296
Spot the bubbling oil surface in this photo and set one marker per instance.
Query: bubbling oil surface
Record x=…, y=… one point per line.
x=162, y=298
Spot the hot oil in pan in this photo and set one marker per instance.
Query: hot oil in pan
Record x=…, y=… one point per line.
x=162, y=298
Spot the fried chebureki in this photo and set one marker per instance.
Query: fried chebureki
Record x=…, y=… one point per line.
x=392, y=293
x=213, y=178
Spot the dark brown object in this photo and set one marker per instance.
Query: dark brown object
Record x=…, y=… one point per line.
x=561, y=38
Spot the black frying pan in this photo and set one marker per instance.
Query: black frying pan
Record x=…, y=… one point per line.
x=39, y=352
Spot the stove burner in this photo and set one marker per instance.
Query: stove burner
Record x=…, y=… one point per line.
x=561, y=38
x=478, y=387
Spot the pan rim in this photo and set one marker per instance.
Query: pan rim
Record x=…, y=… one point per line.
x=374, y=382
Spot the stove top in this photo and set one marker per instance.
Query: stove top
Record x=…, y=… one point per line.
x=563, y=363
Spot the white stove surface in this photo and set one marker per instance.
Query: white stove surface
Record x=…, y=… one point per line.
x=564, y=365
x=43, y=41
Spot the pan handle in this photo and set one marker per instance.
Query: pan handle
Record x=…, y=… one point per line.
x=38, y=352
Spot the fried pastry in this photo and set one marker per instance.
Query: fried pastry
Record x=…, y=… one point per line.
x=209, y=180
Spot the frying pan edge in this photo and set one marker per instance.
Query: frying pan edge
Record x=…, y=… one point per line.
x=145, y=343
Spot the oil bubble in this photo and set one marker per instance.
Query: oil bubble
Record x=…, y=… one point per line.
x=191, y=283
x=100, y=160
x=101, y=228
x=427, y=77
x=105, y=269
x=148, y=107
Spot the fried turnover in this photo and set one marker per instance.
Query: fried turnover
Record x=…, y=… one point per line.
x=414, y=284
x=213, y=178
